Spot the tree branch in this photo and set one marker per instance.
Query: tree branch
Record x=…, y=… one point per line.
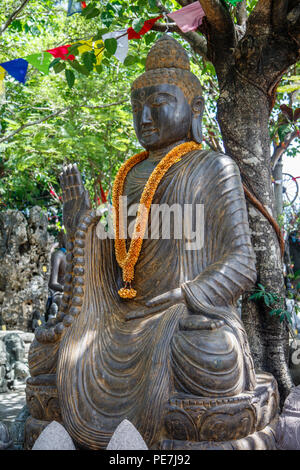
x=280, y=149
x=197, y=42
x=33, y=123
x=260, y=19
x=241, y=13
x=101, y=106
x=218, y=16
x=57, y=113
x=13, y=16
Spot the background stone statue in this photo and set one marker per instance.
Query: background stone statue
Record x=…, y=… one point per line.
x=13, y=364
x=175, y=359
x=57, y=276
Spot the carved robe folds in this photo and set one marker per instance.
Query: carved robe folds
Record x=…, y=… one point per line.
x=146, y=369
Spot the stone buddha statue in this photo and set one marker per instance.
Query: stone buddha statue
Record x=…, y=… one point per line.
x=148, y=328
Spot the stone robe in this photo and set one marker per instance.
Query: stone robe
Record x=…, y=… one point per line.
x=111, y=368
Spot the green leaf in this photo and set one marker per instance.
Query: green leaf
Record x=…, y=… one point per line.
x=79, y=68
x=107, y=18
x=100, y=33
x=288, y=88
x=90, y=6
x=99, y=68
x=283, y=131
x=261, y=286
x=89, y=59
x=152, y=3
x=59, y=67
x=138, y=24
x=54, y=62
x=130, y=60
x=150, y=37
x=111, y=45
x=266, y=300
x=70, y=77
x=93, y=13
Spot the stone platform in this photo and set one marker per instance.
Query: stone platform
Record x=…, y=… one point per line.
x=246, y=421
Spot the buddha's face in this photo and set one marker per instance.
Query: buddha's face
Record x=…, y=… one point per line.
x=161, y=115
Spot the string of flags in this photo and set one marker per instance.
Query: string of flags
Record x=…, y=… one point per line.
x=188, y=18
x=75, y=7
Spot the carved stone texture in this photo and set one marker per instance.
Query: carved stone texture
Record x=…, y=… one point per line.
x=5, y=439
x=42, y=399
x=288, y=428
x=18, y=428
x=259, y=440
x=224, y=418
x=13, y=360
x=33, y=428
x=24, y=251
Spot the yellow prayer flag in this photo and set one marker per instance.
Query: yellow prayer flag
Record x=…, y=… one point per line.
x=3, y=327
x=88, y=46
x=2, y=76
x=39, y=322
x=44, y=269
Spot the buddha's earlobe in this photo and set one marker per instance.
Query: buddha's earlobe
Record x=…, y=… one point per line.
x=197, y=113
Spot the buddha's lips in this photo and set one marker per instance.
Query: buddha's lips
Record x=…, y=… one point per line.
x=147, y=132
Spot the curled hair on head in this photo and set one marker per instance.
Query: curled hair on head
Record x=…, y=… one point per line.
x=168, y=62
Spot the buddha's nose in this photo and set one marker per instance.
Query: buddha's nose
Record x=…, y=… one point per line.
x=146, y=115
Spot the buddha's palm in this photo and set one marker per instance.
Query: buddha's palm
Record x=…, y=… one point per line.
x=75, y=198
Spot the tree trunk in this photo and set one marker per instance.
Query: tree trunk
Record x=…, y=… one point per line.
x=277, y=175
x=243, y=115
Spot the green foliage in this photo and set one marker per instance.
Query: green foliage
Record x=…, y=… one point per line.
x=97, y=138
x=270, y=298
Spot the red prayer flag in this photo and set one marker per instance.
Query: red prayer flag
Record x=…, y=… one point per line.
x=83, y=4
x=147, y=26
x=61, y=52
x=103, y=197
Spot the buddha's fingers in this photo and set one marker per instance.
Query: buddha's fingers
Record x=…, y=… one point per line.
x=195, y=322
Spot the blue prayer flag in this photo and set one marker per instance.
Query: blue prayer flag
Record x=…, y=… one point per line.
x=74, y=7
x=17, y=68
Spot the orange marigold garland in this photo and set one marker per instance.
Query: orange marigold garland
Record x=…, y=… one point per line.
x=128, y=260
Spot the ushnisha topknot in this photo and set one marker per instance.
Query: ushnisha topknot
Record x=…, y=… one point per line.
x=168, y=62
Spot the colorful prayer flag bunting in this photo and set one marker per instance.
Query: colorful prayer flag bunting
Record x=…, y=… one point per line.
x=2, y=76
x=147, y=26
x=90, y=45
x=189, y=17
x=17, y=68
x=75, y=7
x=122, y=43
x=62, y=52
x=40, y=61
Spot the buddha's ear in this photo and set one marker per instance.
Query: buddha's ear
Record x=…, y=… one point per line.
x=197, y=113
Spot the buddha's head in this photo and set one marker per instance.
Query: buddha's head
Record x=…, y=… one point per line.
x=167, y=101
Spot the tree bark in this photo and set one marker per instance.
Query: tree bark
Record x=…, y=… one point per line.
x=248, y=72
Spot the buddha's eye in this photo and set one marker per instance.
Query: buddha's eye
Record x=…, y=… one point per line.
x=162, y=99
x=136, y=107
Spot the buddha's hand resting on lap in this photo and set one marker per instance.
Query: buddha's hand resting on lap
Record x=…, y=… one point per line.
x=75, y=198
x=158, y=303
x=168, y=299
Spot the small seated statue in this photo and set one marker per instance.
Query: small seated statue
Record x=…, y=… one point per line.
x=148, y=329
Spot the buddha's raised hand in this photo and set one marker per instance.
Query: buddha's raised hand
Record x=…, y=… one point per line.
x=75, y=198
